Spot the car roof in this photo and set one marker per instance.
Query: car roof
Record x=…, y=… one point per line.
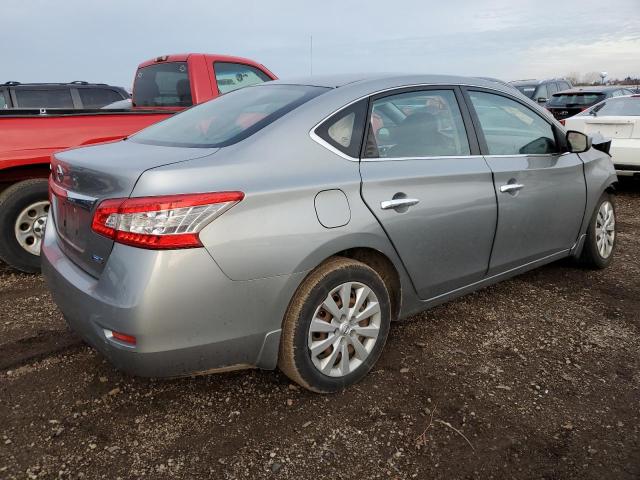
x=386, y=80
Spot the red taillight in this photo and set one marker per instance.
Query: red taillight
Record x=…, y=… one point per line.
x=123, y=337
x=101, y=217
x=562, y=122
x=165, y=222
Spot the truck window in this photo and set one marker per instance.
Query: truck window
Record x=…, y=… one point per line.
x=98, y=97
x=163, y=85
x=42, y=98
x=231, y=76
x=3, y=99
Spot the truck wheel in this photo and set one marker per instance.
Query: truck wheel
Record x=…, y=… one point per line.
x=24, y=208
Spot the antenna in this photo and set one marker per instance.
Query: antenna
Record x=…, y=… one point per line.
x=311, y=53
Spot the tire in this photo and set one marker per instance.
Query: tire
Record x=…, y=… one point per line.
x=594, y=255
x=312, y=302
x=17, y=203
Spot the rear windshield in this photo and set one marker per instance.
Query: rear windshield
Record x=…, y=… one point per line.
x=526, y=90
x=575, y=99
x=229, y=118
x=619, y=106
x=162, y=85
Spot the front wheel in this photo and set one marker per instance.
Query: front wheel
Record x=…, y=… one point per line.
x=24, y=208
x=335, y=327
x=600, y=243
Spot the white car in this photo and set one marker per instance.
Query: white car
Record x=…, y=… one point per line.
x=617, y=118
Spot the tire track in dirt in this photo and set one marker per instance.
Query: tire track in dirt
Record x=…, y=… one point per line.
x=31, y=349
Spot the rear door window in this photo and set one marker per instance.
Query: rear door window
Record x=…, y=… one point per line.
x=43, y=98
x=551, y=89
x=98, y=97
x=4, y=100
x=510, y=128
x=416, y=124
x=163, y=85
x=231, y=76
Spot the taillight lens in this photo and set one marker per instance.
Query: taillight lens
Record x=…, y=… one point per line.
x=166, y=222
x=562, y=122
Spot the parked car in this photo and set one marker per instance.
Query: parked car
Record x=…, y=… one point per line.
x=288, y=223
x=571, y=102
x=617, y=118
x=541, y=90
x=74, y=95
x=162, y=86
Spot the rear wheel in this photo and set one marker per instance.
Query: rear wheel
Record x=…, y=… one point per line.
x=600, y=243
x=23, y=217
x=335, y=327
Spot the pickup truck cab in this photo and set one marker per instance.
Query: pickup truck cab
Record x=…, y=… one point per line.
x=162, y=86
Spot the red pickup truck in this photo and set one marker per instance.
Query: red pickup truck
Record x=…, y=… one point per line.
x=161, y=87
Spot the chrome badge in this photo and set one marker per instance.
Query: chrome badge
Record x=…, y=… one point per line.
x=59, y=173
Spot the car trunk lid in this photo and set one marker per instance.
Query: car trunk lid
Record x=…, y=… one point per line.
x=611, y=127
x=82, y=178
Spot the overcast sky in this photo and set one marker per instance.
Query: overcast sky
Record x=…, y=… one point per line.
x=63, y=40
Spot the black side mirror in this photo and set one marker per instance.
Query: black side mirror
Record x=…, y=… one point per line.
x=578, y=142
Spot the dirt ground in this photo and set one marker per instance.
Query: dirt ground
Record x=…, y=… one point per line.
x=537, y=377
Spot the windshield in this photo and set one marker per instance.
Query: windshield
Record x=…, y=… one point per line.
x=229, y=118
x=617, y=107
x=162, y=85
x=575, y=99
x=526, y=90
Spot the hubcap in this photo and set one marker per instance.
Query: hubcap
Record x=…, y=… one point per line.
x=344, y=329
x=605, y=229
x=30, y=226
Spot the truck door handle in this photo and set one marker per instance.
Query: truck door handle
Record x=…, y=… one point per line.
x=511, y=187
x=398, y=203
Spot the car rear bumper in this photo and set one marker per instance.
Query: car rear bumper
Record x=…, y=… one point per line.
x=625, y=153
x=186, y=315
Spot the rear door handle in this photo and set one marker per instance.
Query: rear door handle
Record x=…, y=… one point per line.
x=511, y=187
x=398, y=203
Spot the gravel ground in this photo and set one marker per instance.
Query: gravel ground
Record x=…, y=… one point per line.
x=537, y=377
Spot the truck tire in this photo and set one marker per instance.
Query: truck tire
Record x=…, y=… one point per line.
x=23, y=217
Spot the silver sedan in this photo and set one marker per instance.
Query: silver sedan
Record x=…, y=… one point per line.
x=287, y=224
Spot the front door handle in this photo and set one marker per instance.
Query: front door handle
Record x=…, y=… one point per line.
x=511, y=187
x=398, y=203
